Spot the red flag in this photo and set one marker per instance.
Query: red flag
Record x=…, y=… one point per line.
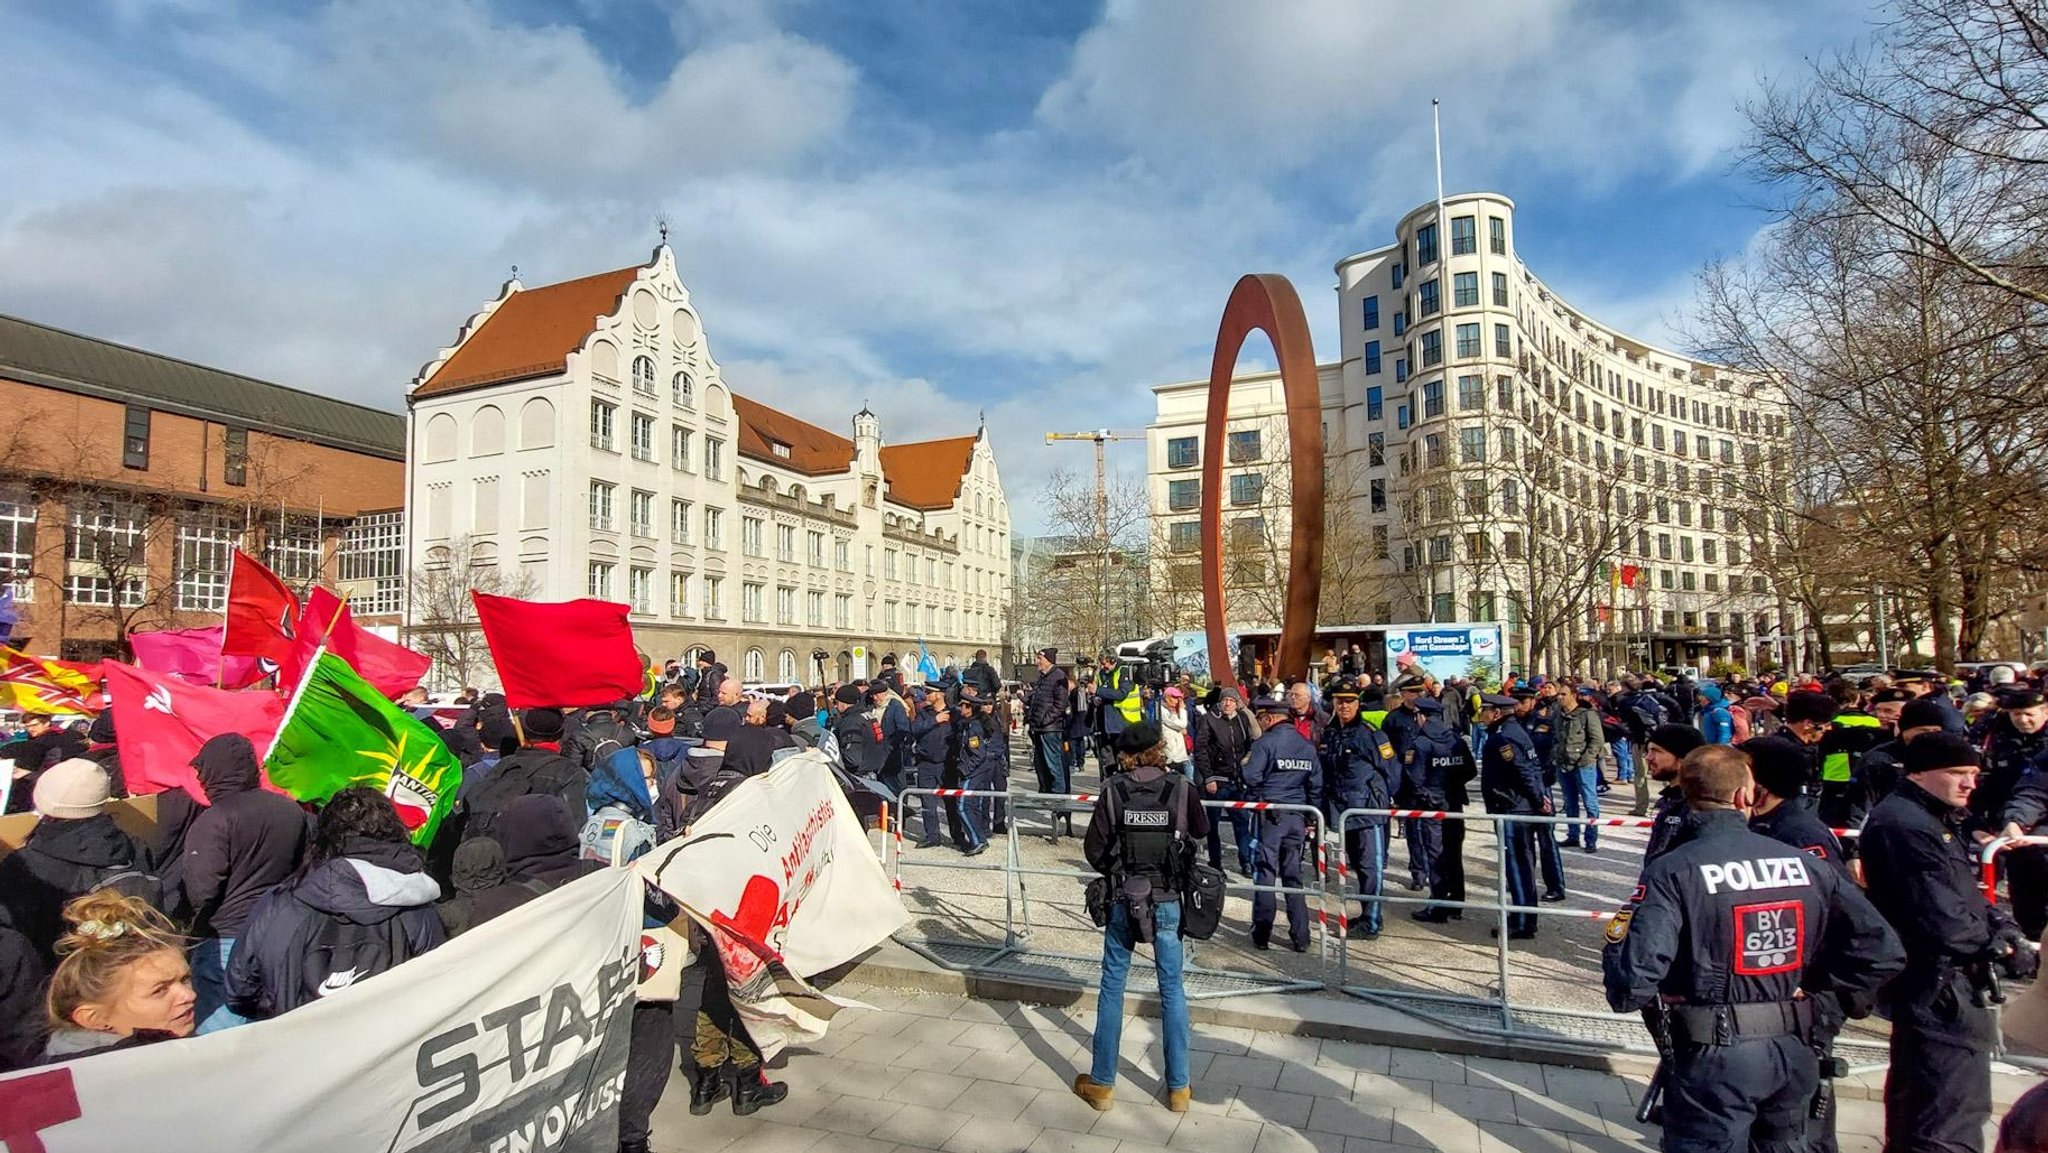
x=1630, y=575
x=391, y=668
x=567, y=653
x=262, y=613
x=193, y=656
x=160, y=723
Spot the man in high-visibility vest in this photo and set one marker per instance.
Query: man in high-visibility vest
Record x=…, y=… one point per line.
x=1117, y=701
x=1844, y=798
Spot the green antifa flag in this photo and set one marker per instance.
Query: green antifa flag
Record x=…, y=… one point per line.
x=340, y=732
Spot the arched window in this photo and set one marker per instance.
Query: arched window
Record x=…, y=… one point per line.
x=487, y=431
x=785, y=667
x=537, y=424
x=756, y=666
x=438, y=441
x=643, y=375
x=686, y=390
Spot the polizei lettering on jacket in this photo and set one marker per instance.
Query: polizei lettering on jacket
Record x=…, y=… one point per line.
x=1293, y=765
x=1747, y=876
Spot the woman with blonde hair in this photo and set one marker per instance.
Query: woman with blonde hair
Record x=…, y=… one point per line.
x=121, y=980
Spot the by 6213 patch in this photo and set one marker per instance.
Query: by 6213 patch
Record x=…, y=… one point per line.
x=1769, y=938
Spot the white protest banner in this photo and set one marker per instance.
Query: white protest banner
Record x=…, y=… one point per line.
x=510, y=1037
x=780, y=876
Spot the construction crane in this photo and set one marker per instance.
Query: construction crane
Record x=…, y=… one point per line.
x=1100, y=436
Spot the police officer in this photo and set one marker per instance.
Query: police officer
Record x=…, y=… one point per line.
x=2015, y=742
x=1725, y=929
x=1402, y=724
x=1447, y=767
x=1282, y=769
x=1919, y=863
x=1782, y=811
x=1663, y=748
x=1538, y=715
x=1511, y=780
x=1359, y=772
x=1844, y=799
x=1142, y=838
x=983, y=757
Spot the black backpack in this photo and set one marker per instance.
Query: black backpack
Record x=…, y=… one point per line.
x=344, y=952
x=132, y=881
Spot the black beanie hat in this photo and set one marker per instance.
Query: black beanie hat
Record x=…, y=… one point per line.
x=847, y=695
x=1810, y=706
x=1137, y=739
x=1941, y=751
x=542, y=723
x=1923, y=713
x=1677, y=740
x=1779, y=765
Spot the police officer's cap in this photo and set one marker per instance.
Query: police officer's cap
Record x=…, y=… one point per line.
x=1523, y=693
x=1412, y=683
x=2020, y=699
x=1269, y=705
x=1887, y=696
x=1941, y=751
x=1344, y=690
x=1429, y=705
x=1918, y=676
x=1496, y=701
x=1779, y=765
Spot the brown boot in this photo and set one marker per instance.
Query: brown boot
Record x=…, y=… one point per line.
x=1178, y=1100
x=1096, y=1095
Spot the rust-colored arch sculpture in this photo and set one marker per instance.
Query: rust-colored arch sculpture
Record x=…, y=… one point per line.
x=1266, y=302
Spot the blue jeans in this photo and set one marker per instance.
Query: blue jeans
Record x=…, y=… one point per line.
x=1624, y=765
x=210, y=983
x=1173, y=998
x=1581, y=788
x=1049, y=749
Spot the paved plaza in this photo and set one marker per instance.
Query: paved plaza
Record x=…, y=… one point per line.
x=926, y=1071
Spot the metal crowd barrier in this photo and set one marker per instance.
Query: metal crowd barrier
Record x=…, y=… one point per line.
x=1015, y=949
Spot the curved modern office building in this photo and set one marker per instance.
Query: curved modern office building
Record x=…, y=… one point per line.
x=1511, y=458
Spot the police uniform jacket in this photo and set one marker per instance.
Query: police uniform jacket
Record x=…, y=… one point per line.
x=1359, y=770
x=2008, y=753
x=1795, y=824
x=1731, y=917
x=1510, y=775
x=1401, y=727
x=1883, y=769
x=1667, y=816
x=931, y=739
x=1444, y=761
x=981, y=752
x=1921, y=871
x=1283, y=768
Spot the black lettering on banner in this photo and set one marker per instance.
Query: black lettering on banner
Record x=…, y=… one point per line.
x=461, y=1068
x=1769, y=938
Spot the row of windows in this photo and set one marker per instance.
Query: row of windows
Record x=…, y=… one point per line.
x=1464, y=239
x=682, y=386
x=603, y=421
x=1244, y=447
x=1245, y=488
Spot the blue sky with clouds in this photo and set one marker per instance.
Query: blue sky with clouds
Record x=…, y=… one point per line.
x=941, y=208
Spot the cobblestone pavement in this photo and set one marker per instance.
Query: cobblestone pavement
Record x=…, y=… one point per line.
x=937, y=1072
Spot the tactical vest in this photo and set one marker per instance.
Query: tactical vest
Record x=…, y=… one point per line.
x=1835, y=766
x=1150, y=841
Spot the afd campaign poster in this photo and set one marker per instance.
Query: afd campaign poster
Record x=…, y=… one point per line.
x=1470, y=650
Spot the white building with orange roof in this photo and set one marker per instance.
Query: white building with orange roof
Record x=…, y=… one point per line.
x=580, y=439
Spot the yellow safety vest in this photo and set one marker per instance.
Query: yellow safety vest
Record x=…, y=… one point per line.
x=1131, y=706
x=1377, y=718
x=1835, y=766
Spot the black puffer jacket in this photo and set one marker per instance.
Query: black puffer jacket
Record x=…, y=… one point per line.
x=22, y=1026
x=278, y=964
x=61, y=859
x=246, y=842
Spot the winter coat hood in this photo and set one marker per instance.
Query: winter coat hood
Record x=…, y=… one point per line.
x=618, y=780
x=537, y=837
x=1711, y=694
x=227, y=764
x=479, y=865
x=94, y=842
x=370, y=883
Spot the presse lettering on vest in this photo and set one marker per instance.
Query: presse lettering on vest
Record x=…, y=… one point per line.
x=1765, y=873
x=1146, y=818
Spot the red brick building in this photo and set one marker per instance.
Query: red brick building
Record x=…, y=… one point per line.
x=128, y=478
